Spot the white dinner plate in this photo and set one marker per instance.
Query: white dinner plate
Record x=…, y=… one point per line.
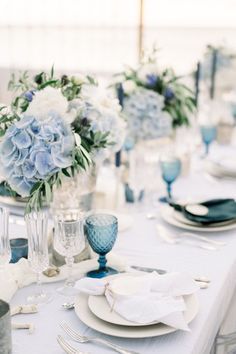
x=219, y=170
x=167, y=214
x=87, y=317
x=100, y=308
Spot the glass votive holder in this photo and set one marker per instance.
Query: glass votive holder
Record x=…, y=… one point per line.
x=19, y=249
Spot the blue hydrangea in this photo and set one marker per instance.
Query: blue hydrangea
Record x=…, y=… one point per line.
x=146, y=117
x=33, y=150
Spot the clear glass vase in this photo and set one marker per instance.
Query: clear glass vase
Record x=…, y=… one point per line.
x=76, y=192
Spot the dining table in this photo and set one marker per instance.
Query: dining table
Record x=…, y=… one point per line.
x=141, y=245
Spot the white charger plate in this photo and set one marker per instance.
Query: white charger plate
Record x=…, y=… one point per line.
x=87, y=317
x=167, y=214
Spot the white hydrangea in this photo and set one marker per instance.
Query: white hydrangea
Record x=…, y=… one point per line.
x=100, y=97
x=145, y=115
x=103, y=113
x=47, y=101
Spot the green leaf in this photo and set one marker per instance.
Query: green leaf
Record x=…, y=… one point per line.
x=85, y=153
x=48, y=83
x=52, y=71
x=48, y=192
x=35, y=187
x=65, y=172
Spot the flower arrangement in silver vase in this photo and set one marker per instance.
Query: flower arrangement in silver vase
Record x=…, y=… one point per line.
x=53, y=128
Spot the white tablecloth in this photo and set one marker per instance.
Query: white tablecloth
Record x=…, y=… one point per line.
x=142, y=246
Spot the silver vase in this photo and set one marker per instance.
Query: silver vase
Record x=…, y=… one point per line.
x=5, y=328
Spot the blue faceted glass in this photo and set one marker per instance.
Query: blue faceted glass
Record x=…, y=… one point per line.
x=208, y=133
x=170, y=169
x=101, y=231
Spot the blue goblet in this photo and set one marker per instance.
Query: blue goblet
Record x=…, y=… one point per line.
x=170, y=168
x=208, y=133
x=101, y=231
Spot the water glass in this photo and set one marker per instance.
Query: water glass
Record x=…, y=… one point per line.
x=19, y=249
x=5, y=249
x=170, y=169
x=208, y=134
x=101, y=231
x=69, y=241
x=36, y=224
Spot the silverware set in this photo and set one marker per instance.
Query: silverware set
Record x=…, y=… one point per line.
x=188, y=238
x=77, y=337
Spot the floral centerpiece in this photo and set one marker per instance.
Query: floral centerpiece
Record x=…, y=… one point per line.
x=54, y=128
x=154, y=101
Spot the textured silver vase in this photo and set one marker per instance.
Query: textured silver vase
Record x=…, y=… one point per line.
x=5, y=328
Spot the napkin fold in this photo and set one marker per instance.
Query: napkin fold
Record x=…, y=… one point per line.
x=145, y=299
x=18, y=275
x=219, y=210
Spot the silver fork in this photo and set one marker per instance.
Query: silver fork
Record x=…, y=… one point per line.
x=167, y=237
x=83, y=339
x=67, y=347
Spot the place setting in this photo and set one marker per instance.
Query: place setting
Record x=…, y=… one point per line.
x=127, y=303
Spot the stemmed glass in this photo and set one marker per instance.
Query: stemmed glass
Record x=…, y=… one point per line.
x=170, y=169
x=101, y=231
x=36, y=224
x=208, y=134
x=5, y=249
x=68, y=241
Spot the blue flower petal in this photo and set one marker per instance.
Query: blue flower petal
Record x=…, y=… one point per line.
x=44, y=163
x=22, y=140
x=28, y=169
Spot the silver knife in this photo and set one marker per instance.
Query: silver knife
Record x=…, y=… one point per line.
x=148, y=270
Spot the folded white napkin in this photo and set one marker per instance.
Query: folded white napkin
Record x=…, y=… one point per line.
x=18, y=275
x=145, y=299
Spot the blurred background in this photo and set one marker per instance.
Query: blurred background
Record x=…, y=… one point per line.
x=101, y=36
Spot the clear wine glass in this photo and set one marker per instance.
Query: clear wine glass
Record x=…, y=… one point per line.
x=68, y=241
x=36, y=223
x=5, y=249
x=170, y=169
